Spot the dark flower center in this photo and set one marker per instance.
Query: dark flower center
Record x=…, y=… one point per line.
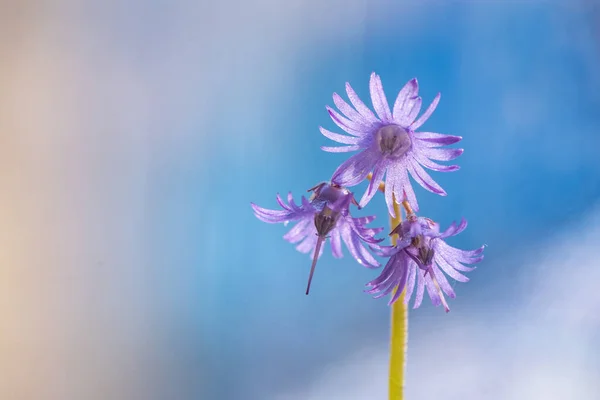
x=425, y=252
x=325, y=221
x=393, y=140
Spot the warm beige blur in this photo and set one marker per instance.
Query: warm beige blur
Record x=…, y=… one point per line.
x=72, y=315
x=90, y=93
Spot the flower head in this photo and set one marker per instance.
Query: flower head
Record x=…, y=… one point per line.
x=420, y=256
x=389, y=142
x=325, y=215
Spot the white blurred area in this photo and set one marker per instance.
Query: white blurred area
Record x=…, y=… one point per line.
x=90, y=93
x=547, y=347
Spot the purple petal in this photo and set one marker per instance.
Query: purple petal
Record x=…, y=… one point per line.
x=308, y=244
x=406, y=97
x=442, y=154
x=359, y=105
x=380, y=103
x=410, y=286
x=409, y=194
x=426, y=162
x=350, y=112
x=402, y=188
x=417, y=124
x=357, y=250
x=345, y=124
x=454, y=230
x=336, y=244
x=337, y=137
x=302, y=229
x=355, y=169
x=409, y=117
x=378, y=172
x=443, y=282
x=448, y=269
x=454, y=263
x=364, y=220
x=432, y=290
x=420, y=287
x=282, y=203
x=400, y=286
x=390, y=187
x=423, y=178
x=392, y=281
x=392, y=265
x=341, y=149
x=390, y=251
x=451, y=253
x=432, y=139
x=274, y=216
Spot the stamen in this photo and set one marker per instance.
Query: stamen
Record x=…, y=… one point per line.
x=407, y=207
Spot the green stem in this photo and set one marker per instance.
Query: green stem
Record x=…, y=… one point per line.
x=399, y=330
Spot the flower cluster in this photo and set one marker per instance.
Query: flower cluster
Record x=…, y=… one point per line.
x=390, y=149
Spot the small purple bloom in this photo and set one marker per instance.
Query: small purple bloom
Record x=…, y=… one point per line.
x=325, y=215
x=389, y=143
x=420, y=256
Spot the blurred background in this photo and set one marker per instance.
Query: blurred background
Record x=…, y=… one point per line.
x=134, y=135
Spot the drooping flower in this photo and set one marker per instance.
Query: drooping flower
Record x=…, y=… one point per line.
x=389, y=142
x=419, y=257
x=325, y=215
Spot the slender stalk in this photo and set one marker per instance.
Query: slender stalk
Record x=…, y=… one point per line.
x=399, y=331
x=399, y=320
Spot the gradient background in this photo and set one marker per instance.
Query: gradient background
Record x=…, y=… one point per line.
x=133, y=136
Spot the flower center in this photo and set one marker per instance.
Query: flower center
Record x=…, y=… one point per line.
x=393, y=140
x=425, y=252
x=325, y=221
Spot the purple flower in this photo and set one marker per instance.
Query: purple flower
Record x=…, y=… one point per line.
x=420, y=256
x=326, y=215
x=389, y=143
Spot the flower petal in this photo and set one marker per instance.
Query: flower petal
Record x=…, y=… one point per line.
x=409, y=117
x=351, y=127
x=432, y=139
x=300, y=230
x=448, y=269
x=336, y=244
x=355, y=169
x=443, y=282
x=359, y=105
x=442, y=154
x=410, y=285
x=270, y=216
x=350, y=112
x=432, y=165
x=425, y=116
x=420, y=287
x=308, y=244
x=401, y=284
x=380, y=103
x=454, y=230
x=378, y=173
x=358, y=251
x=405, y=99
x=340, y=149
x=423, y=178
x=344, y=139
x=432, y=290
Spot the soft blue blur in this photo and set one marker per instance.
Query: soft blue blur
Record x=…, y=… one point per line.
x=518, y=82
